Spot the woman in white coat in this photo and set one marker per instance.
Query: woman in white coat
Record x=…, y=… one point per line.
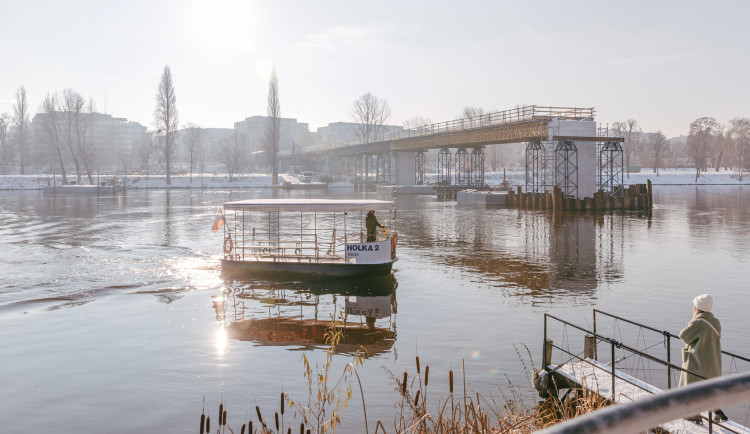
x=702, y=352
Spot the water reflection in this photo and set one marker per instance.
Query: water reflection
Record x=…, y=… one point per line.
x=298, y=314
x=527, y=254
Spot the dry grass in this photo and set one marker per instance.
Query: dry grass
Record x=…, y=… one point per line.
x=460, y=410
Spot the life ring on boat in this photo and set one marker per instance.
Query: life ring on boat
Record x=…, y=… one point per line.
x=228, y=245
x=394, y=239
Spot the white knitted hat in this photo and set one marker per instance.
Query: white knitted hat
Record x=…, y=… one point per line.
x=704, y=302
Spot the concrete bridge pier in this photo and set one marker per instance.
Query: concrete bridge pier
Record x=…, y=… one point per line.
x=405, y=168
x=566, y=158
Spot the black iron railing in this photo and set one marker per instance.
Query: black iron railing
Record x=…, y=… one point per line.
x=616, y=345
x=667, y=338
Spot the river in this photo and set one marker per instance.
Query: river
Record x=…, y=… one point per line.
x=113, y=317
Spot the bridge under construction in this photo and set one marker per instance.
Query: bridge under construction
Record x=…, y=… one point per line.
x=564, y=149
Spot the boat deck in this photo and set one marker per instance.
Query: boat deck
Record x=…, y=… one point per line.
x=283, y=257
x=597, y=377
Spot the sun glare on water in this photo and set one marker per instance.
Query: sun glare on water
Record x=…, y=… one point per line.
x=221, y=341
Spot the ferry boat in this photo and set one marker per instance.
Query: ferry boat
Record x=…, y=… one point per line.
x=290, y=238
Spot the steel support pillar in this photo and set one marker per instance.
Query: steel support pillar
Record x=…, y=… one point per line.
x=476, y=173
x=566, y=168
x=368, y=166
x=379, y=168
x=462, y=167
x=444, y=167
x=393, y=168
x=611, y=176
x=419, y=166
x=535, y=167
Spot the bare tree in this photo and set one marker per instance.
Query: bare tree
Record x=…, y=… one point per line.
x=370, y=113
x=145, y=154
x=739, y=138
x=273, y=127
x=657, y=146
x=631, y=132
x=52, y=131
x=6, y=144
x=704, y=132
x=84, y=143
x=416, y=122
x=21, y=120
x=72, y=105
x=719, y=149
x=194, y=145
x=232, y=153
x=77, y=118
x=127, y=158
x=472, y=116
x=166, y=119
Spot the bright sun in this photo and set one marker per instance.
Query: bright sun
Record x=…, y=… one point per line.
x=224, y=24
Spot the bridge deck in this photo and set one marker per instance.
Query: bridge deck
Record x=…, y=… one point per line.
x=518, y=125
x=597, y=377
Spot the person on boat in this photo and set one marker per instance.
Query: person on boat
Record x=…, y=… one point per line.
x=702, y=352
x=371, y=223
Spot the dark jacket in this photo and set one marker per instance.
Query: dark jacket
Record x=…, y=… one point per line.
x=371, y=223
x=702, y=352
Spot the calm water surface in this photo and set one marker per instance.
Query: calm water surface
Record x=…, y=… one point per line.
x=113, y=317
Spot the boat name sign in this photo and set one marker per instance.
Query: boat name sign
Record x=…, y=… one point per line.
x=376, y=252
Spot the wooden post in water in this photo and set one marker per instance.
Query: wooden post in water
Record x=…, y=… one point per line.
x=589, y=347
x=547, y=352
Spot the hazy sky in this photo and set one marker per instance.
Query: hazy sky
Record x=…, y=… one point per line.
x=663, y=63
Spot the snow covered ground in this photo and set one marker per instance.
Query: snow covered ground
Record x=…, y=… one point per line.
x=255, y=180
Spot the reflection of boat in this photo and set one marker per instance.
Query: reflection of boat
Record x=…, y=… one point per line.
x=302, y=237
x=297, y=315
x=370, y=286
x=308, y=332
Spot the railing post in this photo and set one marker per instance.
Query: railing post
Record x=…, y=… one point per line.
x=595, y=341
x=669, y=360
x=613, y=372
x=544, y=345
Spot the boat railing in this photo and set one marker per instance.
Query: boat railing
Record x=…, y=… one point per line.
x=300, y=245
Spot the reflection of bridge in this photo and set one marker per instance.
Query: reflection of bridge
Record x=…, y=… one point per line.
x=553, y=135
x=540, y=258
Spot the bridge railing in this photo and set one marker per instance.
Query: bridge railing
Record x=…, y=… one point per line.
x=515, y=115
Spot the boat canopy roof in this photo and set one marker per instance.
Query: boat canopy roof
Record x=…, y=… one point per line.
x=309, y=205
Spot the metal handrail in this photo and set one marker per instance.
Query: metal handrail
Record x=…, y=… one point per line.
x=614, y=344
x=654, y=410
x=621, y=345
x=663, y=332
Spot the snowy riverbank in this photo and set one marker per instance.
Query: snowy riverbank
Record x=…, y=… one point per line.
x=244, y=181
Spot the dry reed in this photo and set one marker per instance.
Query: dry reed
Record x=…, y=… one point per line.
x=415, y=413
